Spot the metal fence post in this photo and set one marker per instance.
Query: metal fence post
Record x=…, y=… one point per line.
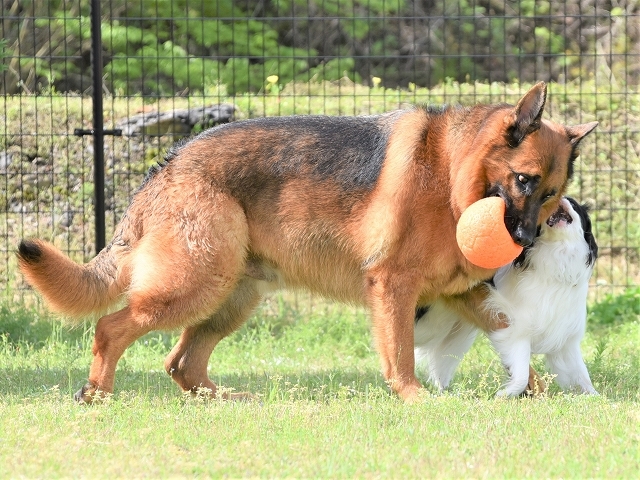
x=98, y=127
x=98, y=130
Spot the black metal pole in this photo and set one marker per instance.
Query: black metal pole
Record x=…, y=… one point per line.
x=98, y=127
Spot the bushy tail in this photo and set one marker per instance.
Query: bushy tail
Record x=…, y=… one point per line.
x=68, y=288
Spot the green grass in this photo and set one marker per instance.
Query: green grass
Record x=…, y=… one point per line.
x=369, y=436
x=325, y=410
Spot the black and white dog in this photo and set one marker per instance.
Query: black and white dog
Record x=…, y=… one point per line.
x=543, y=294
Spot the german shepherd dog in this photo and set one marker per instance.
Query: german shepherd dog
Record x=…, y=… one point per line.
x=358, y=209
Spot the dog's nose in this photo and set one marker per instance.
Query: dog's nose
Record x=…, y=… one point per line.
x=523, y=237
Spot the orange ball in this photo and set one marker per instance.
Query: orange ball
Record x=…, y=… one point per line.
x=482, y=235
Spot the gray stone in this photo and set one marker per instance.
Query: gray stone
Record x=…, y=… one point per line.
x=6, y=158
x=179, y=122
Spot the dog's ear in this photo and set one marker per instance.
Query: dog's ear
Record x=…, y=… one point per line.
x=588, y=233
x=578, y=132
x=593, y=248
x=525, y=117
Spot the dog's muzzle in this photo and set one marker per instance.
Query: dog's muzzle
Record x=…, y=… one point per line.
x=559, y=215
x=523, y=236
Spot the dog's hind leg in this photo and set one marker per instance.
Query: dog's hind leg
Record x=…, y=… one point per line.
x=570, y=369
x=187, y=362
x=441, y=340
x=448, y=354
x=114, y=333
x=430, y=331
x=182, y=270
x=156, y=310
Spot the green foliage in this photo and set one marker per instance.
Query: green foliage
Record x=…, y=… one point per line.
x=172, y=47
x=3, y=54
x=24, y=326
x=69, y=29
x=19, y=324
x=335, y=69
x=616, y=309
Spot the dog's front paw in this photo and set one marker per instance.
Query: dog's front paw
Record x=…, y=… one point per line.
x=509, y=392
x=587, y=391
x=411, y=392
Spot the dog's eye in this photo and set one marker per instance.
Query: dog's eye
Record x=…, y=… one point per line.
x=522, y=179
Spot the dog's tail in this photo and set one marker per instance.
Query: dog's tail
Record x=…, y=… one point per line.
x=68, y=288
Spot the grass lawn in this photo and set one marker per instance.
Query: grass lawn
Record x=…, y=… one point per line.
x=325, y=410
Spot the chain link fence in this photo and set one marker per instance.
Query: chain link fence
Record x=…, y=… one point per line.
x=172, y=68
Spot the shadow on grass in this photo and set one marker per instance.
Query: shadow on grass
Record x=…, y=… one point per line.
x=269, y=386
x=35, y=382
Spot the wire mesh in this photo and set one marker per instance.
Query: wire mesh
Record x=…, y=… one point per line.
x=163, y=60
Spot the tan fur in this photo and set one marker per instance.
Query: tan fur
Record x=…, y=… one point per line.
x=66, y=287
x=259, y=205
x=382, y=221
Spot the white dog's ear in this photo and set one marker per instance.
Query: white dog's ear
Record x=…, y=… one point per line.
x=525, y=118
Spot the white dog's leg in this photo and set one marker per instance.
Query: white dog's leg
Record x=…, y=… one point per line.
x=570, y=369
x=430, y=331
x=445, y=358
x=515, y=356
x=441, y=340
